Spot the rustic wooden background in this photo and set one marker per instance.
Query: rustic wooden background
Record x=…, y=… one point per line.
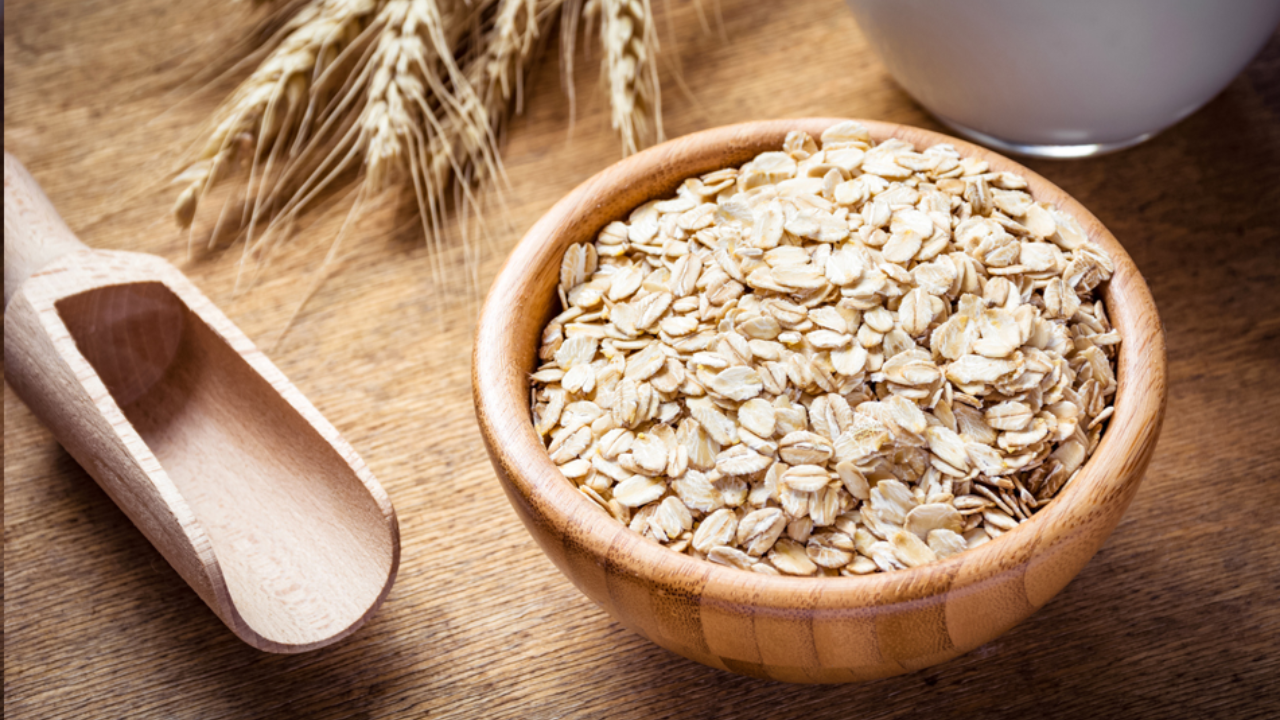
x=1178, y=616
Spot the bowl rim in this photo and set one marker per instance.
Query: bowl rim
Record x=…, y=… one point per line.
x=535, y=486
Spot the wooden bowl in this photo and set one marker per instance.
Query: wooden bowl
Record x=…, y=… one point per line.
x=789, y=628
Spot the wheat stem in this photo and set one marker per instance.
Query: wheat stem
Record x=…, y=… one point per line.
x=416, y=90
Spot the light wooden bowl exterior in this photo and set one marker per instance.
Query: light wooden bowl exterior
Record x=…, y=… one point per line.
x=786, y=628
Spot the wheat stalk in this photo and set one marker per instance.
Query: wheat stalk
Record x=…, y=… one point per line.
x=398, y=115
x=411, y=92
x=631, y=71
x=272, y=101
x=422, y=114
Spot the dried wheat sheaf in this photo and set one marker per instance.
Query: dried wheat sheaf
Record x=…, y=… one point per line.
x=411, y=92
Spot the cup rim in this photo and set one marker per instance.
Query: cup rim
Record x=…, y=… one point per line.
x=501, y=389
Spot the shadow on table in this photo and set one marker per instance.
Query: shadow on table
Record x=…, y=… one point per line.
x=1127, y=638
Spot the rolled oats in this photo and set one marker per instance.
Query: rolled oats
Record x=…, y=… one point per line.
x=838, y=359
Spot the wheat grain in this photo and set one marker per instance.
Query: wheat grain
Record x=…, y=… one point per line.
x=631, y=71
x=425, y=98
x=411, y=92
x=270, y=103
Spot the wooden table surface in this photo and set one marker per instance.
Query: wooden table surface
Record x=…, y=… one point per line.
x=1177, y=616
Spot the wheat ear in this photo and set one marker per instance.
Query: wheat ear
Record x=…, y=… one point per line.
x=271, y=103
x=412, y=90
x=631, y=72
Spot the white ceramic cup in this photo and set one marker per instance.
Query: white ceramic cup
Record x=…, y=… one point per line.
x=1064, y=78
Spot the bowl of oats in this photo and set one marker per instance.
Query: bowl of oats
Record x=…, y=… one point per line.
x=819, y=400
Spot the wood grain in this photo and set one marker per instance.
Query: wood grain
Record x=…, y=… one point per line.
x=248, y=492
x=1175, y=617
x=34, y=233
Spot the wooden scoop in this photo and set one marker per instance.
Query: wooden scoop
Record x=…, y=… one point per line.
x=246, y=490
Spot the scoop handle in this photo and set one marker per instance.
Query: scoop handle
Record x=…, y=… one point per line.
x=34, y=232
